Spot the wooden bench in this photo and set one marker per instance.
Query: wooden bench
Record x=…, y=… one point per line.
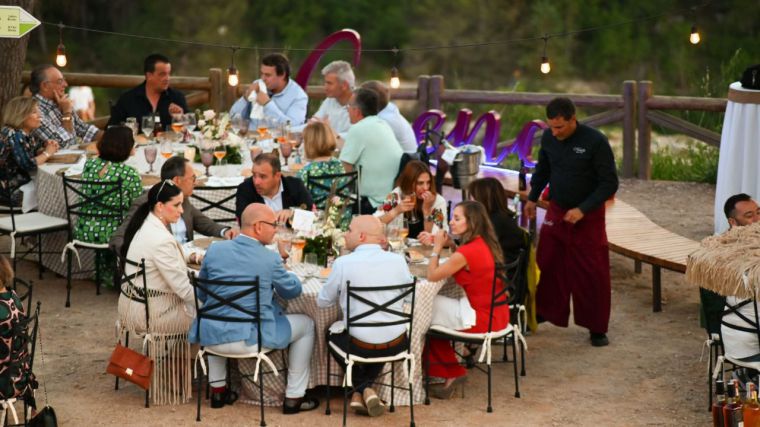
x=629, y=233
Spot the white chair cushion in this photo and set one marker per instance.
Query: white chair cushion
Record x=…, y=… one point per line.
x=400, y=356
x=469, y=335
x=32, y=222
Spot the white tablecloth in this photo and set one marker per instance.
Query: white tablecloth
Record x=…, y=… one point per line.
x=739, y=163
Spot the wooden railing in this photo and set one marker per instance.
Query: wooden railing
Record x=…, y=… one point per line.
x=636, y=107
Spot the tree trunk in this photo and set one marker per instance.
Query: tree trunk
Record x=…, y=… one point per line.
x=13, y=58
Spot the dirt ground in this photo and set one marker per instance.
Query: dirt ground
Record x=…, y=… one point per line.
x=650, y=374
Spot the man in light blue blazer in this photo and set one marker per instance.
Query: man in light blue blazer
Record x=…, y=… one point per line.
x=246, y=258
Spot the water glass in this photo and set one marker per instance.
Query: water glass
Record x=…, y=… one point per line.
x=150, y=156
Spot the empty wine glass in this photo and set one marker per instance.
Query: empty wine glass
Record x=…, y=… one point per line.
x=132, y=124
x=147, y=125
x=190, y=122
x=236, y=122
x=207, y=159
x=150, y=156
x=286, y=149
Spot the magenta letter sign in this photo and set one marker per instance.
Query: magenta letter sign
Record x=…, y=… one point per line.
x=313, y=59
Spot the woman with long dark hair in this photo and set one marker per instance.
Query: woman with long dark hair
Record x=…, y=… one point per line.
x=472, y=266
x=170, y=295
x=490, y=193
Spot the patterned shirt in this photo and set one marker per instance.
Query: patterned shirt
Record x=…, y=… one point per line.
x=52, y=125
x=17, y=151
x=315, y=169
x=15, y=373
x=99, y=230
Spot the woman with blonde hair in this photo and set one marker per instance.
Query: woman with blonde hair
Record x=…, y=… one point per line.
x=20, y=152
x=473, y=267
x=319, y=145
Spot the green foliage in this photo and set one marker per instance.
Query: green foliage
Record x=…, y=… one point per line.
x=697, y=162
x=320, y=245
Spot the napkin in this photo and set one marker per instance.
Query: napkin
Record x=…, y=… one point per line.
x=257, y=111
x=303, y=220
x=78, y=167
x=267, y=145
x=223, y=181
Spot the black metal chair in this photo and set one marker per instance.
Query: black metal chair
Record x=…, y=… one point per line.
x=518, y=315
x=343, y=185
x=24, y=291
x=499, y=298
x=358, y=293
x=209, y=289
x=711, y=309
x=88, y=202
x=135, y=287
x=35, y=224
x=7, y=406
x=221, y=210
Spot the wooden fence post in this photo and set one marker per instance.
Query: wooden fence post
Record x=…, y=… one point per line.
x=423, y=96
x=216, y=100
x=645, y=131
x=629, y=131
x=435, y=92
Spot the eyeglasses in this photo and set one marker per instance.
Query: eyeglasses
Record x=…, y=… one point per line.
x=273, y=224
x=161, y=188
x=57, y=82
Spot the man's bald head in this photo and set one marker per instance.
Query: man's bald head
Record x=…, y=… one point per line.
x=364, y=229
x=259, y=221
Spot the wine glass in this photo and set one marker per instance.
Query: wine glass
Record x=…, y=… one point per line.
x=150, y=156
x=207, y=159
x=166, y=148
x=392, y=233
x=148, y=123
x=190, y=121
x=286, y=149
x=189, y=153
x=219, y=152
x=132, y=124
x=178, y=123
x=403, y=231
x=262, y=127
x=236, y=122
x=255, y=151
x=412, y=197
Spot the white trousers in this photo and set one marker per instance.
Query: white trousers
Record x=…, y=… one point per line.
x=299, y=356
x=453, y=313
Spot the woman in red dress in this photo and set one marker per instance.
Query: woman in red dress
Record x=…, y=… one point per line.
x=472, y=266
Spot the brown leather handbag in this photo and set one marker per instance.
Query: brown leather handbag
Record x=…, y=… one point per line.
x=130, y=365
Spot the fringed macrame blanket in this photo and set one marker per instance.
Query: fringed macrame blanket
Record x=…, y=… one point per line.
x=729, y=263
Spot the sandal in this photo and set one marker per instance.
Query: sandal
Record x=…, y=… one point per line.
x=294, y=406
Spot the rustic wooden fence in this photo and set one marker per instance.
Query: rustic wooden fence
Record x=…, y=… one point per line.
x=636, y=108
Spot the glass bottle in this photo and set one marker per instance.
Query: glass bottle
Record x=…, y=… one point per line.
x=522, y=182
x=751, y=410
x=718, y=404
x=732, y=412
x=157, y=128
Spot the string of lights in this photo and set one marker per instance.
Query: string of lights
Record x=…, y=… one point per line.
x=233, y=76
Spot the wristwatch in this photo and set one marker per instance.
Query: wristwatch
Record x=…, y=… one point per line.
x=435, y=254
x=66, y=118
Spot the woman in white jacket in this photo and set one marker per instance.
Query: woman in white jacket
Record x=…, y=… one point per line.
x=170, y=296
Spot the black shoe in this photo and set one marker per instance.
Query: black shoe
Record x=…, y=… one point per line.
x=294, y=406
x=540, y=319
x=599, y=340
x=227, y=397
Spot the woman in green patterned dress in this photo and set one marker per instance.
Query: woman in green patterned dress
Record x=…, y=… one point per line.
x=116, y=146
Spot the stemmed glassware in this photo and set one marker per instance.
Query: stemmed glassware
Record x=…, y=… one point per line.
x=286, y=149
x=207, y=159
x=412, y=197
x=166, y=148
x=148, y=123
x=219, y=152
x=150, y=156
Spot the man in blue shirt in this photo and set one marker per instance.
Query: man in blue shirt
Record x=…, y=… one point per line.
x=283, y=101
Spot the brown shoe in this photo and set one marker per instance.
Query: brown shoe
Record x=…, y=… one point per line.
x=375, y=407
x=357, y=404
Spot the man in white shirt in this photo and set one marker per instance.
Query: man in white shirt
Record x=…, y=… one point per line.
x=84, y=101
x=389, y=112
x=339, y=86
x=368, y=265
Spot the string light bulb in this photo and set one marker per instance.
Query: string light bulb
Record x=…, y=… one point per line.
x=232, y=73
x=60, y=52
x=395, y=82
x=694, y=36
x=545, y=66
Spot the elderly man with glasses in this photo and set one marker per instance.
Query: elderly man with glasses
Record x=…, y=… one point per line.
x=59, y=123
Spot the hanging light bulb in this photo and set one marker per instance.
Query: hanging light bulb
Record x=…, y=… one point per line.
x=694, y=37
x=395, y=82
x=232, y=73
x=60, y=52
x=545, y=66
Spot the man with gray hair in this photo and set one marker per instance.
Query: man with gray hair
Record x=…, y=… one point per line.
x=339, y=84
x=389, y=112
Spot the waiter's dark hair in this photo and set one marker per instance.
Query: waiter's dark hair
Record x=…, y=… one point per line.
x=279, y=62
x=562, y=107
x=149, y=65
x=729, y=208
x=479, y=225
x=174, y=167
x=161, y=192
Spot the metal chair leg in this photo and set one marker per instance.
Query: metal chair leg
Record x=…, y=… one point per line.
x=411, y=395
x=345, y=403
x=262, y=423
x=200, y=384
x=489, y=408
x=393, y=386
x=40, y=267
x=514, y=358
x=327, y=406
x=68, y=278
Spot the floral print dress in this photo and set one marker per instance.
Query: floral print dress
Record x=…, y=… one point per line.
x=16, y=376
x=17, y=151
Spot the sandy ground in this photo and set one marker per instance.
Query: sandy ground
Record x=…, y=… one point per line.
x=650, y=374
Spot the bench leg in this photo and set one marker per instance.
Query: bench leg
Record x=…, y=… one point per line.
x=637, y=266
x=656, y=290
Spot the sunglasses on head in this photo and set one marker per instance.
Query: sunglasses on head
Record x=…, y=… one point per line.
x=161, y=188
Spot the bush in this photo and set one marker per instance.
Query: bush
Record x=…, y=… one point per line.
x=697, y=162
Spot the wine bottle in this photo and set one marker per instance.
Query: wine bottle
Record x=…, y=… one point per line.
x=157, y=127
x=732, y=412
x=751, y=410
x=522, y=182
x=719, y=403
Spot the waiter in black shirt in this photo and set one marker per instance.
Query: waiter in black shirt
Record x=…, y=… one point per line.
x=152, y=97
x=577, y=163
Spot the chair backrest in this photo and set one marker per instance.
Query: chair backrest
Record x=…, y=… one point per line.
x=711, y=306
x=518, y=279
x=135, y=285
x=35, y=320
x=343, y=185
x=358, y=293
x=24, y=291
x=218, y=203
x=753, y=323
x=506, y=274
x=89, y=200
x=207, y=290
